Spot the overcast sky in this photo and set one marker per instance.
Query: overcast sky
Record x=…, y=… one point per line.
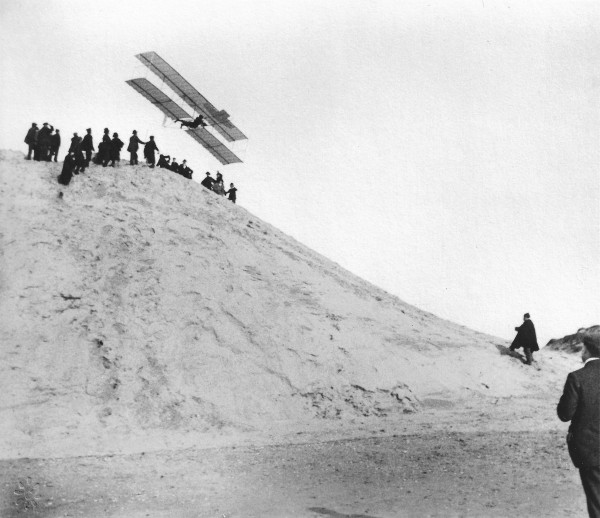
x=447, y=151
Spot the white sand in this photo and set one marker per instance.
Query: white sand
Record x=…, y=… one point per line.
x=143, y=312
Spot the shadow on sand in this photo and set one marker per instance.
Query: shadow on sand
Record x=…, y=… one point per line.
x=335, y=514
x=505, y=351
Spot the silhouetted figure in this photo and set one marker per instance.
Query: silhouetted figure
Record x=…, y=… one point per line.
x=54, y=145
x=580, y=404
x=164, y=161
x=87, y=146
x=75, y=141
x=198, y=121
x=133, y=147
x=31, y=140
x=103, y=155
x=174, y=165
x=149, y=149
x=75, y=148
x=65, y=176
x=43, y=142
x=526, y=338
x=114, y=154
x=208, y=182
x=182, y=167
x=231, y=192
x=185, y=171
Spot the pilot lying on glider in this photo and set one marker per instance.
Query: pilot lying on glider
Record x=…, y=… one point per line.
x=198, y=121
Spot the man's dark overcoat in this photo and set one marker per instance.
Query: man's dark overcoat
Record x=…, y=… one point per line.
x=87, y=144
x=580, y=404
x=115, y=148
x=526, y=337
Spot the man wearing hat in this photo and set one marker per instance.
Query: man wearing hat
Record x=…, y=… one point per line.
x=208, y=182
x=526, y=339
x=115, y=147
x=87, y=146
x=54, y=145
x=43, y=142
x=31, y=139
x=580, y=404
x=134, y=145
x=149, y=150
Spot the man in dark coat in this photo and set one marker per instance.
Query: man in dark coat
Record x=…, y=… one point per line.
x=75, y=148
x=104, y=149
x=163, y=161
x=115, y=146
x=43, y=142
x=526, y=339
x=174, y=165
x=208, y=182
x=31, y=139
x=149, y=149
x=580, y=404
x=74, y=143
x=87, y=146
x=54, y=146
x=134, y=144
x=231, y=192
x=182, y=167
x=67, y=170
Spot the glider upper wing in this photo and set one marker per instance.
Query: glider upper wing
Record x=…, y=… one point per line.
x=158, y=98
x=218, y=119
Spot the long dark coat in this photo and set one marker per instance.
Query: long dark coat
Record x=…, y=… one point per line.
x=75, y=144
x=580, y=404
x=149, y=150
x=67, y=170
x=208, y=182
x=115, y=148
x=31, y=137
x=87, y=144
x=526, y=337
x=104, y=148
x=43, y=138
x=134, y=144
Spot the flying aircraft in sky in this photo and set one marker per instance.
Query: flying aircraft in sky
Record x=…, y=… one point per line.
x=217, y=119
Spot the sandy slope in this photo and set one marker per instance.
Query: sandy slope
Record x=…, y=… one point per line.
x=143, y=313
x=143, y=306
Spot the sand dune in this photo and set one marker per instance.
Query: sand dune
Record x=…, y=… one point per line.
x=142, y=310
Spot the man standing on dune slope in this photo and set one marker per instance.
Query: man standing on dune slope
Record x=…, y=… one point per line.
x=526, y=339
x=580, y=404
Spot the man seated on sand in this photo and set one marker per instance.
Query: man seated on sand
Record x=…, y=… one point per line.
x=164, y=161
x=208, y=181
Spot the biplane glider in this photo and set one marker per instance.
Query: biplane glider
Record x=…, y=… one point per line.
x=218, y=119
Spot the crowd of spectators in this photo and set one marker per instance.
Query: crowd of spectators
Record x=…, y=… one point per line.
x=44, y=144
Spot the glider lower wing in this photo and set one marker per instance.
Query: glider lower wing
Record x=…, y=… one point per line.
x=214, y=146
x=218, y=119
x=158, y=98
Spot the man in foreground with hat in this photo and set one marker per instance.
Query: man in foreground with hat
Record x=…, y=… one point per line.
x=580, y=404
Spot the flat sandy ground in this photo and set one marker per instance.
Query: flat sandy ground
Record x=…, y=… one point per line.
x=494, y=458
